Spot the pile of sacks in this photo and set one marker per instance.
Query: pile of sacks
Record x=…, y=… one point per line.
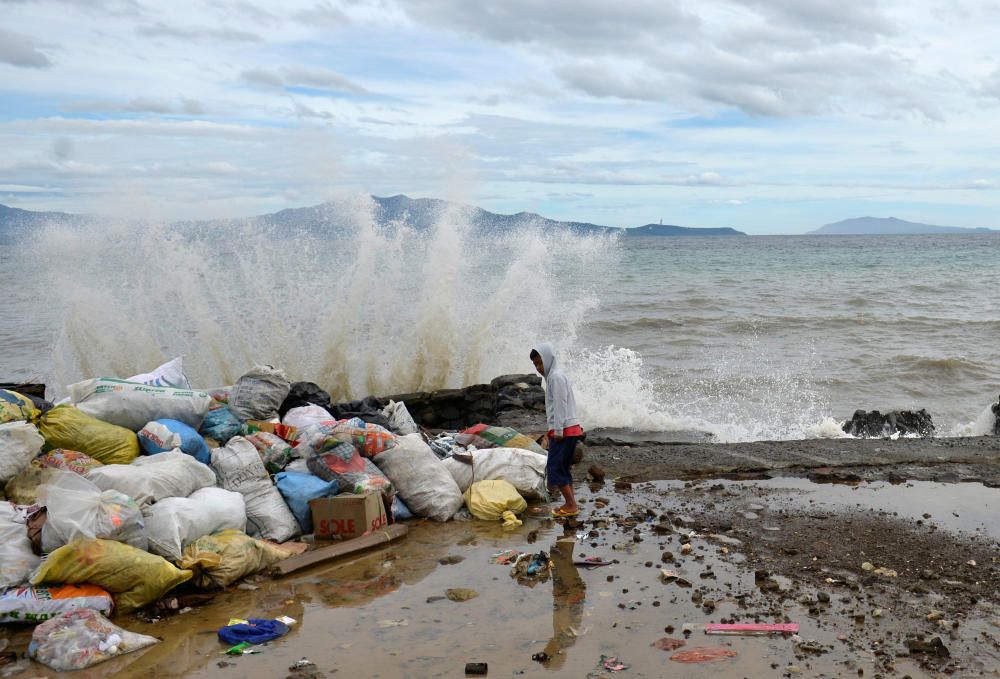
x=133, y=487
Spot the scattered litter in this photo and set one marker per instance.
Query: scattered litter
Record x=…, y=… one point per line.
x=506, y=557
x=384, y=624
x=542, y=656
x=461, y=594
x=301, y=664
x=668, y=644
x=476, y=668
x=752, y=629
x=612, y=664
x=592, y=562
x=242, y=648
x=703, y=654
x=530, y=569
x=253, y=631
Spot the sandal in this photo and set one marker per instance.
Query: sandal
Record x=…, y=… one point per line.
x=562, y=513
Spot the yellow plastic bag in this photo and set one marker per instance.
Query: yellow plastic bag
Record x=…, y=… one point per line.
x=15, y=407
x=135, y=578
x=67, y=427
x=23, y=488
x=488, y=500
x=220, y=559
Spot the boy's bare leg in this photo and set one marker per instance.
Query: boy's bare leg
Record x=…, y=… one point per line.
x=569, y=497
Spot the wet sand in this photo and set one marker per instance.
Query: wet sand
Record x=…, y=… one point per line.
x=784, y=549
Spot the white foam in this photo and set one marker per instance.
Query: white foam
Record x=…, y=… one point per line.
x=981, y=426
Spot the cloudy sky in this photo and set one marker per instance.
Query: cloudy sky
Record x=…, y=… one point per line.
x=771, y=116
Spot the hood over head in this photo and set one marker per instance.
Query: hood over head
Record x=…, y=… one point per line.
x=548, y=354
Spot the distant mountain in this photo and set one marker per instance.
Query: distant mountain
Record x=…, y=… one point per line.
x=671, y=230
x=418, y=213
x=887, y=226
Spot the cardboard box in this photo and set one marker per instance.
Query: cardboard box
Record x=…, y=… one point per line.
x=348, y=516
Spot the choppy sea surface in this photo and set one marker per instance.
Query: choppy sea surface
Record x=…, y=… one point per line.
x=747, y=338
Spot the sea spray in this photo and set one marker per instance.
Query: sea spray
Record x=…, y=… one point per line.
x=357, y=305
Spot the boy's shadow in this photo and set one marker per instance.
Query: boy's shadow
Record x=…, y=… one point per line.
x=569, y=594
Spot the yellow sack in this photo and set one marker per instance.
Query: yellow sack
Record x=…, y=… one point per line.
x=23, y=488
x=15, y=407
x=67, y=427
x=135, y=578
x=488, y=500
x=220, y=559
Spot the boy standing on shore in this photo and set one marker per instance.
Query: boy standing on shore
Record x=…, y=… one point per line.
x=564, y=426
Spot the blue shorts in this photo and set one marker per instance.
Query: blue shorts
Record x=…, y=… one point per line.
x=560, y=459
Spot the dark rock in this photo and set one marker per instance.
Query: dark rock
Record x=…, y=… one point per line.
x=873, y=424
x=996, y=415
x=597, y=473
x=933, y=646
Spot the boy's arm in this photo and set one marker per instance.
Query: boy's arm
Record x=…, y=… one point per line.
x=559, y=406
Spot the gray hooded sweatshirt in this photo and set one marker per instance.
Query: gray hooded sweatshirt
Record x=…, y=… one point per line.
x=560, y=404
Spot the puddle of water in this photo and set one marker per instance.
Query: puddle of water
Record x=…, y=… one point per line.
x=968, y=508
x=371, y=616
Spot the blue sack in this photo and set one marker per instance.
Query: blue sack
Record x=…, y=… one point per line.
x=400, y=512
x=256, y=632
x=298, y=488
x=159, y=436
x=220, y=424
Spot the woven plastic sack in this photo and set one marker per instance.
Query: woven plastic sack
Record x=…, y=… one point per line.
x=298, y=489
x=68, y=427
x=20, y=442
x=485, y=436
x=16, y=558
x=15, y=407
x=488, y=500
x=154, y=478
x=174, y=523
x=170, y=374
x=259, y=393
x=81, y=638
x=220, y=424
x=275, y=452
x=23, y=488
x=135, y=578
x=159, y=436
x=523, y=469
x=69, y=460
x=132, y=404
x=240, y=469
x=77, y=508
x=400, y=420
x=221, y=559
x=354, y=474
x=32, y=605
x=420, y=478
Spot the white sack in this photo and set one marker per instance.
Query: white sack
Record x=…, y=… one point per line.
x=240, y=469
x=400, y=420
x=258, y=393
x=523, y=469
x=76, y=508
x=16, y=558
x=132, y=404
x=305, y=416
x=420, y=478
x=170, y=374
x=154, y=478
x=176, y=522
x=20, y=443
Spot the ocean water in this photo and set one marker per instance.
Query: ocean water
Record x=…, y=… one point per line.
x=756, y=338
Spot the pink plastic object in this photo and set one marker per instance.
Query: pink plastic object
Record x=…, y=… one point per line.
x=753, y=628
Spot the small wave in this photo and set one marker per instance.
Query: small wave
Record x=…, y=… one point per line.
x=644, y=323
x=944, y=365
x=981, y=426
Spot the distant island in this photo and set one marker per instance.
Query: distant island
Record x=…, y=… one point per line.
x=884, y=226
x=418, y=213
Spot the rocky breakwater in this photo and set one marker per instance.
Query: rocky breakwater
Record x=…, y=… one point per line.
x=509, y=400
x=873, y=424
